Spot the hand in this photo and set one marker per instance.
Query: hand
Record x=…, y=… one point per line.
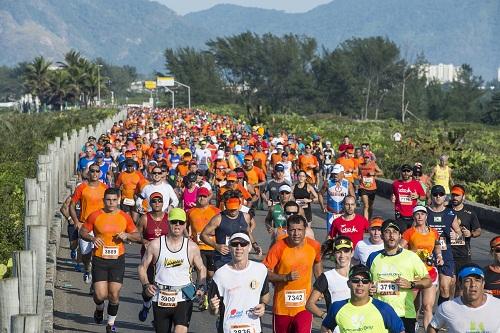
x=98, y=242
x=150, y=290
x=325, y=210
x=199, y=294
x=259, y=310
x=269, y=203
x=414, y=195
x=269, y=229
x=465, y=232
x=122, y=236
x=257, y=249
x=403, y=283
x=222, y=249
x=373, y=290
x=440, y=261
x=214, y=303
x=393, y=198
x=78, y=225
x=293, y=275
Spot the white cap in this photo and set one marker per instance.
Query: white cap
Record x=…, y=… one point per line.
x=337, y=168
x=328, y=143
x=419, y=208
x=285, y=188
x=239, y=235
x=237, y=148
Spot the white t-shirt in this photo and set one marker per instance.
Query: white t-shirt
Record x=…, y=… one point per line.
x=169, y=196
x=364, y=248
x=203, y=157
x=459, y=318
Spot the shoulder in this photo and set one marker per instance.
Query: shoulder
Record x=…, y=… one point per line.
x=372, y=256
x=336, y=306
x=313, y=243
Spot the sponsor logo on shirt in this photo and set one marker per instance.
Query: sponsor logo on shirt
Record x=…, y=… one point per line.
x=347, y=230
x=169, y=263
x=233, y=314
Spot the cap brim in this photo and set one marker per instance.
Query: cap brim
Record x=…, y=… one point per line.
x=342, y=246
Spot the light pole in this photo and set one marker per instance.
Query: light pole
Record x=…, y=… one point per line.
x=189, y=92
x=98, y=85
x=173, y=96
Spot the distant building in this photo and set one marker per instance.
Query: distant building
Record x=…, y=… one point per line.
x=498, y=77
x=442, y=72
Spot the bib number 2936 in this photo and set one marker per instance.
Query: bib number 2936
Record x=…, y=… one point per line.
x=295, y=298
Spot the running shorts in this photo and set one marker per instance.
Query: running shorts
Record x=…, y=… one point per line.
x=166, y=318
x=111, y=270
x=300, y=323
x=369, y=193
x=208, y=259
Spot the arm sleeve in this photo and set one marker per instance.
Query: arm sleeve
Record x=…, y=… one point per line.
x=77, y=195
x=273, y=257
x=321, y=284
x=130, y=224
x=391, y=320
x=371, y=258
x=406, y=235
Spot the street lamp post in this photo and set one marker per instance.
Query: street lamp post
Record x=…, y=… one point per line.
x=173, y=96
x=189, y=92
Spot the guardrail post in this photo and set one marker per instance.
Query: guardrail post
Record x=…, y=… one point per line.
x=9, y=302
x=31, y=204
x=37, y=241
x=24, y=268
x=26, y=323
x=43, y=180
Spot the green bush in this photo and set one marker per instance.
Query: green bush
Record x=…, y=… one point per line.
x=22, y=138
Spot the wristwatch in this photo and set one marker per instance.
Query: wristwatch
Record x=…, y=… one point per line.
x=412, y=285
x=323, y=315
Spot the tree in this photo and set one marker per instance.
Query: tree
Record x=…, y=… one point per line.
x=492, y=114
x=58, y=88
x=37, y=78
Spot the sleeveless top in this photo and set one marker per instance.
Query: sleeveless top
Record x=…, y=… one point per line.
x=278, y=216
x=229, y=226
x=189, y=198
x=173, y=268
x=154, y=229
x=336, y=194
x=301, y=193
x=337, y=286
x=442, y=177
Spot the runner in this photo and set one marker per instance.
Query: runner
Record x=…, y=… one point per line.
x=424, y=241
x=89, y=196
x=474, y=311
x=304, y=194
x=328, y=155
x=276, y=218
x=405, y=193
x=368, y=171
x=309, y=164
x=197, y=219
x=189, y=193
x=444, y=220
x=336, y=189
x=492, y=272
x=349, y=223
x=130, y=182
x=271, y=191
x=151, y=225
x=396, y=271
x=111, y=227
x=360, y=312
x=240, y=290
x=332, y=285
x=158, y=184
x=441, y=174
x=172, y=290
x=373, y=243
x=290, y=263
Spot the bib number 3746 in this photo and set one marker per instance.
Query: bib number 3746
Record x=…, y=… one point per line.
x=295, y=298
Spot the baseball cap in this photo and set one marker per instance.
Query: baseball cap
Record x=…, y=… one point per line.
x=437, y=189
x=248, y=157
x=279, y=146
x=239, y=235
x=342, y=242
x=337, y=168
x=129, y=162
x=203, y=192
x=328, y=143
x=279, y=167
x=155, y=195
x=232, y=203
x=458, y=190
x=360, y=270
x=99, y=154
x=406, y=167
x=177, y=214
x=470, y=269
x=419, y=208
x=390, y=224
x=232, y=176
x=495, y=241
x=376, y=222
x=285, y=188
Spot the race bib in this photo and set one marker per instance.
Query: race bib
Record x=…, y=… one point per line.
x=295, y=298
x=405, y=199
x=367, y=181
x=110, y=252
x=167, y=299
x=387, y=288
x=442, y=243
x=241, y=328
x=456, y=240
x=128, y=202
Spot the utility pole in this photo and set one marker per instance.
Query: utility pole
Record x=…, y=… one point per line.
x=189, y=92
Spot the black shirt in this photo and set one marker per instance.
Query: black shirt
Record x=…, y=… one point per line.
x=492, y=281
x=461, y=245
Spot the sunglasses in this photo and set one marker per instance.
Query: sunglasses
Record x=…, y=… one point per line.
x=177, y=222
x=284, y=192
x=496, y=250
x=240, y=244
x=157, y=201
x=438, y=194
x=156, y=173
x=358, y=280
x=406, y=170
x=94, y=171
x=291, y=213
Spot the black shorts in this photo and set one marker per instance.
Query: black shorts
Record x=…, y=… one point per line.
x=111, y=270
x=369, y=193
x=448, y=267
x=165, y=318
x=404, y=222
x=208, y=259
x=72, y=232
x=462, y=261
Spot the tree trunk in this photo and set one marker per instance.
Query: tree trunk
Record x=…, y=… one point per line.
x=367, y=99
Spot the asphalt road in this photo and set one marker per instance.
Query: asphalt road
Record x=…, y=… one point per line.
x=74, y=308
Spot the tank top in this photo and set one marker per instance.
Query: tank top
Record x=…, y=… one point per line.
x=336, y=194
x=442, y=177
x=155, y=229
x=278, y=216
x=367, y=182
x=442, y=221
x=173, y=268
x=229, y=226
x=337, y=286
x=189, y=198
x=302, y=193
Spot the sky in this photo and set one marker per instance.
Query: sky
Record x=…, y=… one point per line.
x=293, y=6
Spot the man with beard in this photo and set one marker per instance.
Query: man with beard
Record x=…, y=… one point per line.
x=396, y=272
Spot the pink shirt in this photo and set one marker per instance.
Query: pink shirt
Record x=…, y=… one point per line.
x=402, y=191
x=353, y=229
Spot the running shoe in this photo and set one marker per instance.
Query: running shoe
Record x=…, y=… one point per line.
x=87, y=277
x=111, y=328
x=73, y=254
x=98, y=316
x=78, y=267
x=143, y=314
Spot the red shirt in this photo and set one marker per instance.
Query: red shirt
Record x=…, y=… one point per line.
x=402, y=191
x=353, y=229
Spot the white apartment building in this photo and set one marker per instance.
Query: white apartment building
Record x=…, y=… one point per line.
x=442, y=72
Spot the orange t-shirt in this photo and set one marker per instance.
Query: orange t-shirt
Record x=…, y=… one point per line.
x=307, y=163
x=106, y=226
x=290, y=297
x=366, y=181
x=259, y=160
x=198, y=219
x=418, y=242
x=275, y=158
x=91, y=198
x=349, y=167
x=130, y=183
x=255, y=175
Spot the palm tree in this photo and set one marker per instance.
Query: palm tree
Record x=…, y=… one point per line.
x=58, y=88
x=76, y=66
x=37, y=78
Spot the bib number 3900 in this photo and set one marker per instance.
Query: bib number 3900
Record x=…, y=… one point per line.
x=167, y=299
x=242, y=328
x=295, y=298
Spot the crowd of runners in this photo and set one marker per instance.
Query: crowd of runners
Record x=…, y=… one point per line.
x=186, y=185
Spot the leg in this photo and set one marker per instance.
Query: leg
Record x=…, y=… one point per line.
x=281, y=324
x=371, y=200
x=444, y=288
x=302, y=322
x=162, y=319
x=428, y=299
x=366, y=205
x=182, y=316
x=409, y=324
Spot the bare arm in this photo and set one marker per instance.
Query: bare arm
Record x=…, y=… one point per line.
x=351, y=190
x=141, y=225
x=456, y=226
x=195, y=258
x=311, y=303
x=317, y=269
x=74, y=216
x=150, y=256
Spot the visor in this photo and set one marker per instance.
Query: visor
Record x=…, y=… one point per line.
x=232, y=203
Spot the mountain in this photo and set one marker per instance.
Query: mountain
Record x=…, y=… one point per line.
x=136, y=32
x=448, y=31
